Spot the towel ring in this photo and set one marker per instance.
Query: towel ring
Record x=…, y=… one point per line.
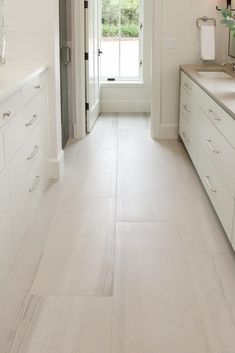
x=205, y=19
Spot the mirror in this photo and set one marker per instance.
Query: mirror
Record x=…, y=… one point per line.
x=2, y=34
x=231, y=46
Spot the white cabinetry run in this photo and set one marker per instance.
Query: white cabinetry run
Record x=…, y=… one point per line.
x=208, y=133
x=23, y=157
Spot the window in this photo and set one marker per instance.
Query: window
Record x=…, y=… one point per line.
x=121, y=40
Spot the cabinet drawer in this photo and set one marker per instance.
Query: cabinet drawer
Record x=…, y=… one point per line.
x=32, y=88
x=4, y=197
x=189, y=138
x=2, y=155
x=25, y=206
x=188, y=84
x=223, y=121
x=220, y=152
x=25, y=158
x=190, y=109
x=217, y=192
x=23, y=124
x=9, y=107
x=6, y=249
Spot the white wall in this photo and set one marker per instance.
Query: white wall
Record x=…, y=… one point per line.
x=33, y=35
x=120, y=98
x=177, y=19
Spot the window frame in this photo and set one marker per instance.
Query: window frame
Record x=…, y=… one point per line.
x=125, y=79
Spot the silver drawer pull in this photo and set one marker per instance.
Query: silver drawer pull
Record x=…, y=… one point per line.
x=187, y=109
x=209, y=142
x=34, y=153
x=35, y=185
x=6, y=114
x=207, y=179
x=188, y=86
x=37, y=87
x=213, y=115
x=34, y=118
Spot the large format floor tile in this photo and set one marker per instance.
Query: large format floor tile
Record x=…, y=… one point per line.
x=214, y=282
x=163, y=302
x=64, y=325
x=94, y=173
x=145, y=193
x=138, y=146
x=155, y=306
x=133, y=121
x=78, y=257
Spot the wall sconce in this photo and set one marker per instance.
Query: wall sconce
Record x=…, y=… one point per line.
x=229, y=4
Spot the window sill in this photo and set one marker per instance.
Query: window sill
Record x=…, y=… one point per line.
x=123, y=84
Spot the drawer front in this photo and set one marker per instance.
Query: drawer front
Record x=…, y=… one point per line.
x=23, y=124
x=217, y=192
x=2, y=155
x=9, y=107
x=6, y=249
x=223, y=121
x=25, y=158
x=220, y=152
x=190, y=109
x=188, y=84
x=34, y=87
x=186, y=104
x=189, y=138
x=25, y=206
x=4, y=197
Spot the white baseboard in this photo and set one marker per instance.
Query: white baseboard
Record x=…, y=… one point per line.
x=168, y=131
x=56, y=167
x=122, y=106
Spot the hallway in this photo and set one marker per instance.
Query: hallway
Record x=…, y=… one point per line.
x=126, y=255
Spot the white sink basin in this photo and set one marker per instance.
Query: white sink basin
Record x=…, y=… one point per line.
x=214, y=74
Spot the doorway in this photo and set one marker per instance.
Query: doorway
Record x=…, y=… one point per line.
x=131, y=94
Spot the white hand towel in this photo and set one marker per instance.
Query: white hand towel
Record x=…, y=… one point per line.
x=208, y=43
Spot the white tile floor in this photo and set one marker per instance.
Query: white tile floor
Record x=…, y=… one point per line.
x=126, y=255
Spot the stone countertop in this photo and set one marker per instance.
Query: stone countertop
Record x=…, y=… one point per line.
x=222, y=90
x=15, y=75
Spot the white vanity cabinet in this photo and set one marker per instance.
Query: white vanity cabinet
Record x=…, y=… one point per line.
x=23, y=161
x=208, y=133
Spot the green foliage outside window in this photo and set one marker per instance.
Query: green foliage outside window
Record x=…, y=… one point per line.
x=229, y=20
x=123, y=20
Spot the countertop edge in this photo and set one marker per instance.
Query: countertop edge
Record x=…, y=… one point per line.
x=22, y=82
x=209, y=93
